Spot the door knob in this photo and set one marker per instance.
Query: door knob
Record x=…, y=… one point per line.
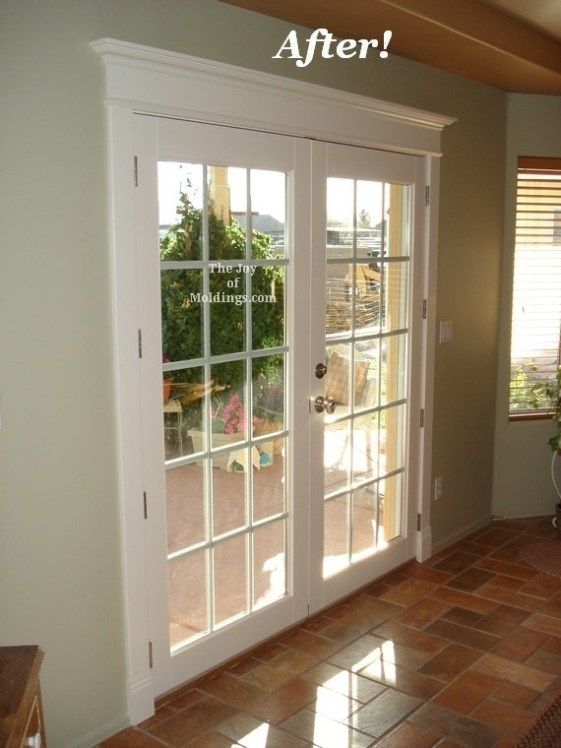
x=326, y=404
x=321, y=371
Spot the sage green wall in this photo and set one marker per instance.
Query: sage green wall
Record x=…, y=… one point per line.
x=59, y=545
x=522, y=484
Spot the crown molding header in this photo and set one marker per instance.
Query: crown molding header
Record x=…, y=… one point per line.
x=155, y=81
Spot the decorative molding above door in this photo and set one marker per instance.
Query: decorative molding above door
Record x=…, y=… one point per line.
x=155, y=81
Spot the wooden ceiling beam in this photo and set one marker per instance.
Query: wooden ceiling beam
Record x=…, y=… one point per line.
x=464, y=37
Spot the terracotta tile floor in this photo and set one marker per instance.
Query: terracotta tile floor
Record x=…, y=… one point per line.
x=463, y=650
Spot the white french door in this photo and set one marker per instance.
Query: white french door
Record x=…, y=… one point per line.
x=276, y=281
x=367, y=262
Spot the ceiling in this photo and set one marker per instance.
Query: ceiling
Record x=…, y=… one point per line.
x=514, y=45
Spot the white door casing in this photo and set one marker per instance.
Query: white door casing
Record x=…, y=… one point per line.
x=150, y=81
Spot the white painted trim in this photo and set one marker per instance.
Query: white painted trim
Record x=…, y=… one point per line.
x=157, y=81
x=432, y=181
x=424, y=544
x=94, y=737
x=150, y=81
x=461, y=534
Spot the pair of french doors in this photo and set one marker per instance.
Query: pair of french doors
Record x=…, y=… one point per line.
x=276, y=282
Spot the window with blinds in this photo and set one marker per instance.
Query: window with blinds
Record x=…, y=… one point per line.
x=536, y=304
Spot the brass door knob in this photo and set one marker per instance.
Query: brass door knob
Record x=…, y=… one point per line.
x=326, y=404
x=321, y=371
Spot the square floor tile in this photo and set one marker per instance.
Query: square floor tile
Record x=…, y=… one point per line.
x=468, y=690
x=285, y=701
x=470, y=579
x=515, y=672
x=192, y=721
x=469, y=637
x=520, y=643
x=456, y=727
x=381, y=714
x=343, y=682
x=456, y=562
x=409, y=736
x=415, y=684
x=324, y=732
x=254, y=733
x=449, y=663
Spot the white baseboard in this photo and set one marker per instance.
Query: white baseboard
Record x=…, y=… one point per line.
x=424, y=544
x=460, y=534
x=141, y=698
x=96, y=736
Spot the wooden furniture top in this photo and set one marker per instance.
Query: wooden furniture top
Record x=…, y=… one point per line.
x=19, y=675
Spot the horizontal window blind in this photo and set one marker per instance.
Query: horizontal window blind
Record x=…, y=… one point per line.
x=536, y=303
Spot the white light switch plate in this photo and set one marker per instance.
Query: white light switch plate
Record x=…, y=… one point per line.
x=446, y=331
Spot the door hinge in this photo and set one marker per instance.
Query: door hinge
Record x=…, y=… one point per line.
x=145, y=504
x=135, y=169
x=150, y=655
x=424, y=308
x=418, y=523
x=140, y=344
x=422, y=418
x=427, y=195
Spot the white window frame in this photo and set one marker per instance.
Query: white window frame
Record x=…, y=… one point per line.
x=148, y=80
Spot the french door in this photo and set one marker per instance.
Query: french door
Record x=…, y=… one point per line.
x=276, y=281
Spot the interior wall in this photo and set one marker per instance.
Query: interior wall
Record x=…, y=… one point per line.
x=60, y=584
x=522, y=483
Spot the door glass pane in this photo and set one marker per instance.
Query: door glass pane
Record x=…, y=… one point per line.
x=393, y=384
x=336, y=456
x=367, y=318
x=269, y=563
x=269, y=483
x=229, y=578
x=227, y=310
x=390, y=508
x=338, y=379
x=226, y=210
x=394, y=306
x=224, y=249
x=365, y=449
x=364, y=521
x=397, y=236
x=267, y=307
x=367, y=374
x=185, y=505
x=228, y=412
x=339, y=298
x=180, y=201
x=392, y=439
x=188, y=596
x=182, y=314
x=369, y=219
x=340, y=219
x=268, y=190
x=229, y=489
x=367, y=298
x=184, y=394
x=335, y=535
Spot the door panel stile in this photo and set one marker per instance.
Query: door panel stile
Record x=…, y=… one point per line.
x=301, y=363
x=152, y=427
x=317, y=273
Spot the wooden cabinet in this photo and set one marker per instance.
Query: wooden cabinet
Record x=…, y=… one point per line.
x=21, y=713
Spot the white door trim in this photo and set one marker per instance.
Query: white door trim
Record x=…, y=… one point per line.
x=147, y=80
